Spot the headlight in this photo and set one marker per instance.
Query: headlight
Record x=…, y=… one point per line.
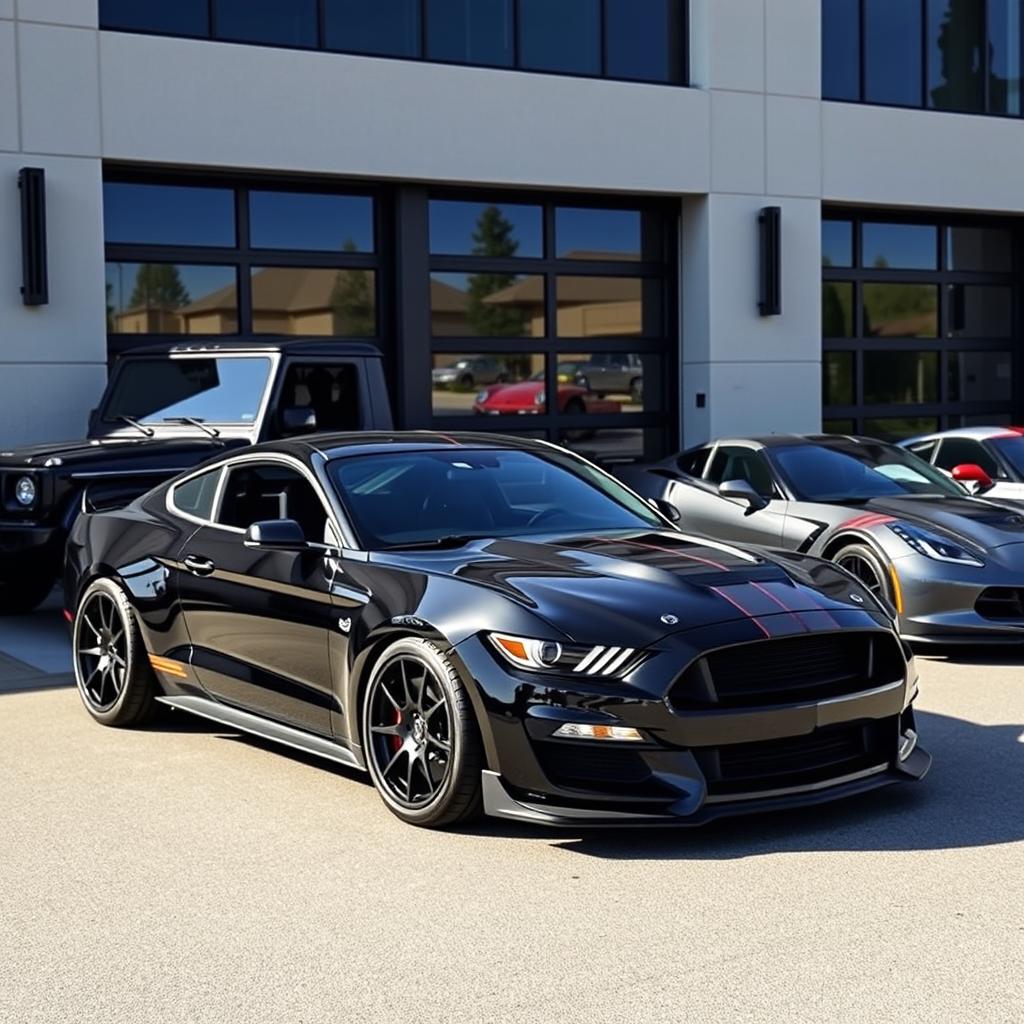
x=540, y=398
x=25, y=492
x=550, y=656
x=924, y=542
x=482, y=397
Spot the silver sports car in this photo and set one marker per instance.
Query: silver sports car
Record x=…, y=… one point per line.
x=951, y=565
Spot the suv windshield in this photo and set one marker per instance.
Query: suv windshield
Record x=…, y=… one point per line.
x=209, y=389
x=857, y=471
x=412, y=498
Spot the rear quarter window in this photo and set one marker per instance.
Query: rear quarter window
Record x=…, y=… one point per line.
x=195, y=497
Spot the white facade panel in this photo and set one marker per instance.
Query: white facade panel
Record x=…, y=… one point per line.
x=735, y=41
x=737, y=142
x=794, y=146
x=8, y=88
x=81, y=13
x=793, y=47
x=67, y=391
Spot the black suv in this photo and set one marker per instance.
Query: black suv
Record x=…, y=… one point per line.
x=168, y=408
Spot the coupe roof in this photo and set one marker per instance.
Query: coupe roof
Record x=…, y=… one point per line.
x=970, y=433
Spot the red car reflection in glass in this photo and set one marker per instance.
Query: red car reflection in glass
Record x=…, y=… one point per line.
x=528, y=398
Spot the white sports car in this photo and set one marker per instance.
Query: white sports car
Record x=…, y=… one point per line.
x=986, y=460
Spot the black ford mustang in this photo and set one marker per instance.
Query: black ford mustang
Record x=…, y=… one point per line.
x=483, y=622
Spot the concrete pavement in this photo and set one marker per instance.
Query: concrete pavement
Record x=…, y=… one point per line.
x=187, y=874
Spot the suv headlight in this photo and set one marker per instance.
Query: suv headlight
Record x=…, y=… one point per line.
x=551, y=656
x=25, y=492
x=932, y=545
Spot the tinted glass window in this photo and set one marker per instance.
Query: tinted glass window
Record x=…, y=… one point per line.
x=168, y=214
x=980, y=376
x=301, y=220
x=901, y=311
x=255, y=494
x=587, y=234
x=836, y=243
x=900, y=246
x=560, y=35
x=212, y=390
x=960, y=451
x=390, y=28
x=956, y=42
x=899, y=428
x=837, y=309
x=487, y=305
x=284, y=22
x=924, y=450
x=837, y=378
x=417, y=497
x=897, y=378
x=171, y=298
x=182, y=17
x=840, y=49
x=602, y=307
x=969, y=248
x=195, y=497
x=1004, y=42
x=644, y=39
x=495, y=384
x=485, y=229
x=733, y=463
x=693, y=463
x=314, y=301
x=892, y=52
x=330, y=390
x=980, y=311
x=470, y=31
x=1011, y=449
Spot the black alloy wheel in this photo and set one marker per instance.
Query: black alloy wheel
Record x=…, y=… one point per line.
x=113, y=675
x=422, y=746
x=860, y=561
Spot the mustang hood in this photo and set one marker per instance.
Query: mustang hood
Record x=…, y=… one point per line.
x=986, y=523
x=639, y=587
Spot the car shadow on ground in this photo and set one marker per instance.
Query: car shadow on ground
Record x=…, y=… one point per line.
x=994, y=654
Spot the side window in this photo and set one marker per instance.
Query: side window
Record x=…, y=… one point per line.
x=735, y=463
x=331, y=390
x=693, y=463
x=924, y=449
x=255, y=493
x=956, y=451
x=195, y=497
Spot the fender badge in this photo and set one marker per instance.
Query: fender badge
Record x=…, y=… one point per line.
x=670, y=620
x=856, y=598
x=344, y=625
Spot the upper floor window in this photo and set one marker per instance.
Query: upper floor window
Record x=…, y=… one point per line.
x=635, y=40
x=958, y=55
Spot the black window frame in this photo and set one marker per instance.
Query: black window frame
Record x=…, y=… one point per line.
x=681, y=60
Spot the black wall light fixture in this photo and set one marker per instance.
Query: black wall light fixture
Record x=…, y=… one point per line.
x=769, y=229
x=35, y=289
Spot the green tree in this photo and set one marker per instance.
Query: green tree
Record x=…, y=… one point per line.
x=353, y=308
x=494, y=236
x=158, y=286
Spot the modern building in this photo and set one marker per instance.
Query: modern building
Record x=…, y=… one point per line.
x=560, y=188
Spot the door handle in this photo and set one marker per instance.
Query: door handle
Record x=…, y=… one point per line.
x=199, y=566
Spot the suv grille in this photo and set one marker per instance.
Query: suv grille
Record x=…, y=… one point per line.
x=789, y=670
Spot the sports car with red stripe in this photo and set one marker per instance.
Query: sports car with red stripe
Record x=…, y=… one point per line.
x=950, y=565
x=489, y=624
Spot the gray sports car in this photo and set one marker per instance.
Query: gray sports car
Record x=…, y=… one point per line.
x=951, y=565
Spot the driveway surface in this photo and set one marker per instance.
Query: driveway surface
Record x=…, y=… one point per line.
x=187, y=874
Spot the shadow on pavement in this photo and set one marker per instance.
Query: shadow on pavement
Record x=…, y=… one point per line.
x=995, y=654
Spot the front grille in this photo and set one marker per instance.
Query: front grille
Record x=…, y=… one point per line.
x=788, y=670
x=825, y=754
x=1001, y=603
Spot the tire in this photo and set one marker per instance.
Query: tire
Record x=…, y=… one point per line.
x=636, y=390
x=22, y=597
x=427, y=774
x=575, y=407
x=862, y=562
x=117, y=686
x=466, y=381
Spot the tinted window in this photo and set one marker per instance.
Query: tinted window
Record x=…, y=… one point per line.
x=306, y=220
x=980, y=311
x=923, y=449
x=960, y=451
x=331, y=391
x=470, y=31
x=836, y=243
x=195, y=497
x=840, y=49
x=1004, y=42
x=1011, y=449
x=285, y=22
x=560, y=35
x=415, y=497
x=586, y=234
x=980, y=376
x=487, y=305
x=735, y=463
x=182, y=17
x=485, y=229
x=168, y=214
x=171, y=298
x=898, y=378
x=208, y=389
x=901, y=311
x=254, y=494
x=390, y=28
x=969, y=248
x=837, y=378
x=858, y=471
x=600, y=307
x=643, y=39
x=892, y=45
x=314, y=301
x=956, y=42
x=693, y=463
x=900, y=246
x=837, y=309
x=896, y=428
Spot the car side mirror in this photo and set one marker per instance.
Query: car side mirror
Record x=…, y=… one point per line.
x=298, y=419
x=971, y=473
x=666, y=508
x=742, y=491
x=277, y=535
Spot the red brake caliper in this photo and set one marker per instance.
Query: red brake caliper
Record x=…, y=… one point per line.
x=396, y=741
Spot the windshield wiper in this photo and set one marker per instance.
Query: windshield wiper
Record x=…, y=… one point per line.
x=436, y=543
x=192, y=421
x=148, y=431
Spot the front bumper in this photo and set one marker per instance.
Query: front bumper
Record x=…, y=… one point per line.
x=696, y=764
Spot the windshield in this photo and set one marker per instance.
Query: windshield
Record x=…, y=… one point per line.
x=1011, y=449
x=212, y=390
x=851, y=471
x=400, y=498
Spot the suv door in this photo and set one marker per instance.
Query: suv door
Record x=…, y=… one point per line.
x=260, y=621
x=706, y=511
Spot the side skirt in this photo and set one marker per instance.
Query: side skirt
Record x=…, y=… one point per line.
x=266, y=729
